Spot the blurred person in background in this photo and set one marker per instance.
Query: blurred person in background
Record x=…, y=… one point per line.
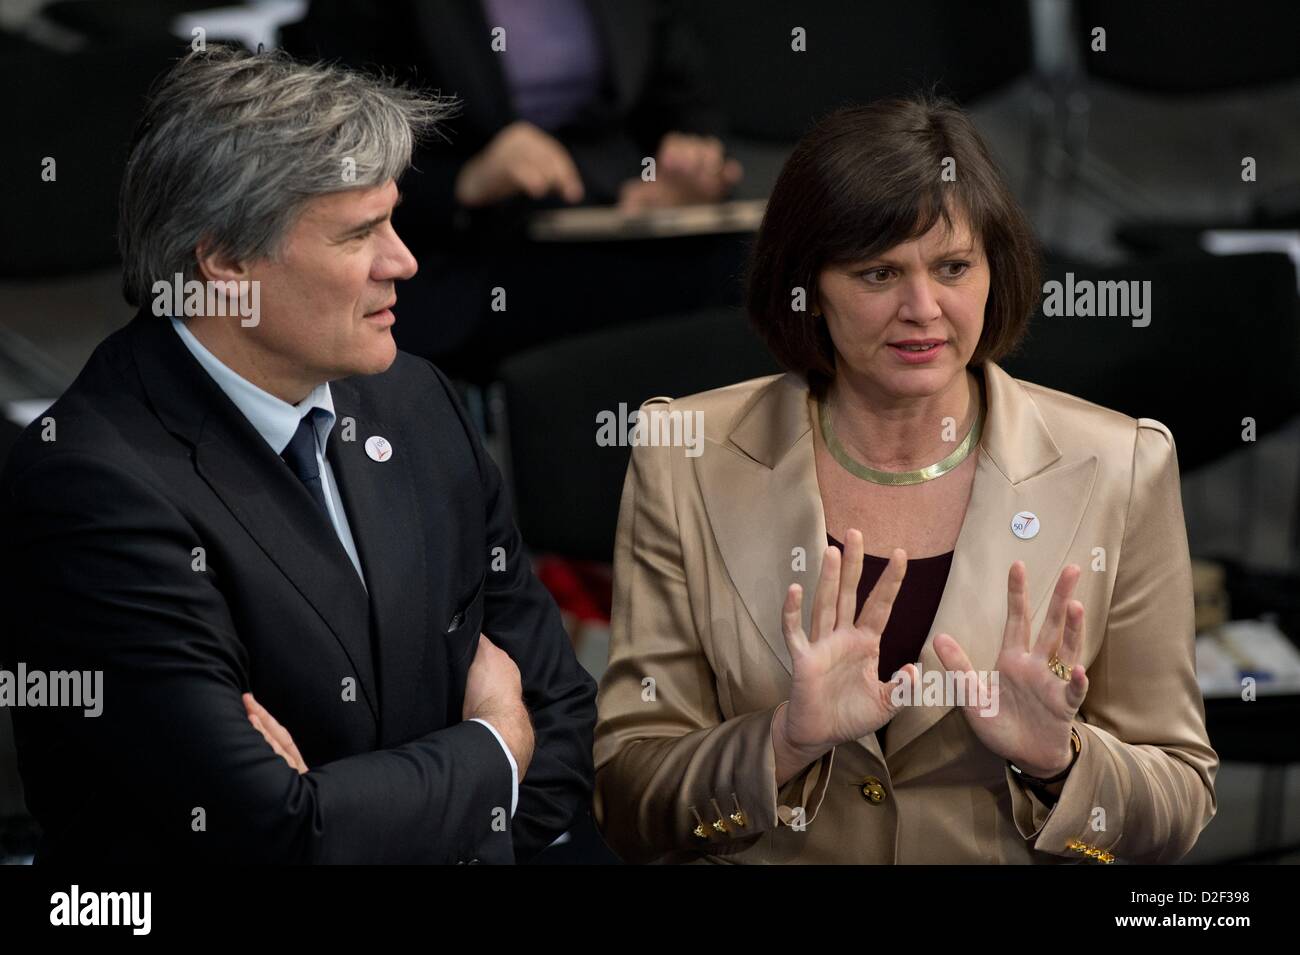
x=561, y=103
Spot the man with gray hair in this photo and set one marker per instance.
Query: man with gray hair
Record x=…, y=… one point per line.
x=278, y=538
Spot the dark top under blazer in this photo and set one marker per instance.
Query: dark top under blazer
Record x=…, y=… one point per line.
x=100, y=529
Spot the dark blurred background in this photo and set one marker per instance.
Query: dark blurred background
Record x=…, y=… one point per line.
x=1129, y=159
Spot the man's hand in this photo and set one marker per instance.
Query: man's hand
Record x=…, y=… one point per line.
x=520, y=158
x=494, y=692
x=688, y=170
x=274, y=733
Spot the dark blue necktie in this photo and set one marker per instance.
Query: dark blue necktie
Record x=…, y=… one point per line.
x=300, y=455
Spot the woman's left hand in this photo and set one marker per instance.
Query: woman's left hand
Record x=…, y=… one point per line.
x=1029, y=720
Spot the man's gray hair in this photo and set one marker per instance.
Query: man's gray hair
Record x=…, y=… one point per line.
x=232, y=144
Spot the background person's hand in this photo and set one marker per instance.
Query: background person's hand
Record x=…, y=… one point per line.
x=837, y=694
x=275, y=734
x=494, y=692
x=1035, y=707
x=521, y=158
x=689, y=169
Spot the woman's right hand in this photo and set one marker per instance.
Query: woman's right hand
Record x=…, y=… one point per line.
x=837, y=694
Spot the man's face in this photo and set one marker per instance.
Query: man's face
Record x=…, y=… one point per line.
x=326, y=299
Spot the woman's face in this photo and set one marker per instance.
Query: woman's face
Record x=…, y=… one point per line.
x=930, y=289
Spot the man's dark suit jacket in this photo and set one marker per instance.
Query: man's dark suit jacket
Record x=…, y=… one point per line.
x=102, y=571
x=654, y=83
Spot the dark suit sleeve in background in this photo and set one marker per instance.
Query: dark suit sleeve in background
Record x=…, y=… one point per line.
x=676, y=96
x=654, y=58
x=387, y=38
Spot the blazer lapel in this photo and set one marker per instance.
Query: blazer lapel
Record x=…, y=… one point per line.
x=383, y=513
x=257, y=488
x=764, y=481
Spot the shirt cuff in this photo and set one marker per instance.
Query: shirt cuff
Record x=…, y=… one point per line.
x=514, y=767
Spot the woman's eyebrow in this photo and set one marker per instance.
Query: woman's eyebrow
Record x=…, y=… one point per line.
x=884, y=260
x=967, y=249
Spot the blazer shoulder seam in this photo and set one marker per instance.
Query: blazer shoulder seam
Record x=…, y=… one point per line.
x=1132, y=486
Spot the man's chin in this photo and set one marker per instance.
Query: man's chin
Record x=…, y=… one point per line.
x=379, y=353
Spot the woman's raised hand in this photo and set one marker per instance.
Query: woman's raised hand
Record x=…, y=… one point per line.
x=1029, y=721
x=837, y=694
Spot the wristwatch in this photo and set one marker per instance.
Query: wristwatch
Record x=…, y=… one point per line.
x=1077, y=745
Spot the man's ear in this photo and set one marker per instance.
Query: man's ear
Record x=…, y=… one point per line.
x=217, y=266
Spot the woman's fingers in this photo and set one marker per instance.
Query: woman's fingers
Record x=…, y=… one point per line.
x=823, y=612
x=1071, y=650
x=880, y=602
x=955, y=660
x=792, y=622
x=850, y=573
x=910, y=675
x=1072, y=645
x=1015, y=635
x=951, y=655
x=1049, y=637
x=1078, y=688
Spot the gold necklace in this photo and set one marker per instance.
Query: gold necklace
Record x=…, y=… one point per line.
x=899, y=478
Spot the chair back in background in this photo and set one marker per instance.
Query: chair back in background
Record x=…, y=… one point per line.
x=1223, y=344
x=856, y=51
x=566, y=486
x=1191, y=47
x=16, y=827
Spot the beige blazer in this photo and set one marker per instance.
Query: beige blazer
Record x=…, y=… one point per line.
x=707, y=544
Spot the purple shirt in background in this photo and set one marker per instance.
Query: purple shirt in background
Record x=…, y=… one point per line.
x=553, y=60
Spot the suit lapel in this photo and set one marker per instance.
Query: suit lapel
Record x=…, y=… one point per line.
x=765, y=475
x=383, y=513
x=254, y=484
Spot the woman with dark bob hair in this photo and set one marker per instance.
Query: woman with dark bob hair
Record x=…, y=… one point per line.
x=903, y=607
